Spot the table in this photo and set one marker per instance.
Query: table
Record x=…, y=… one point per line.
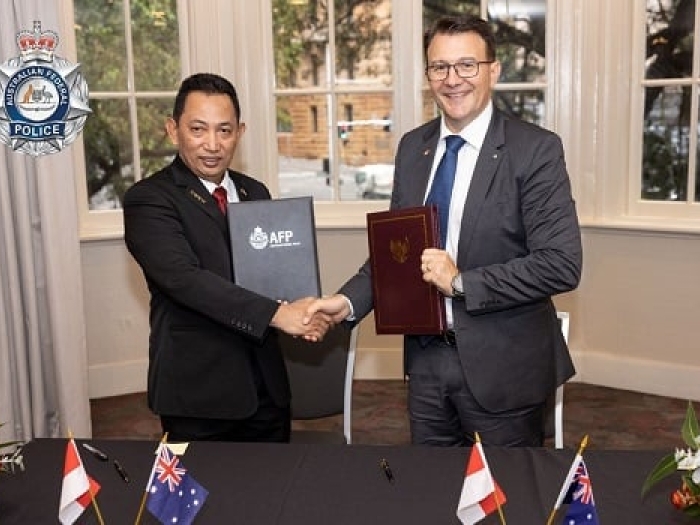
x=261, y=484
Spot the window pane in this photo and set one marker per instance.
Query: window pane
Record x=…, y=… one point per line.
x=520, y=33
x=154, y=33
x=306, y=164
x=155, y=146
x=670, y=26
x=99, y=33
x=300, y=41
x=527, y=105
x=366, y=151
x=432, y=10
x=108, y=154
x=665, y=146
x=363, y=42
x=332, y=121
x=302, y=142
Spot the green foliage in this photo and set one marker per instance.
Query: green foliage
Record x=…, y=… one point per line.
x=100, y=39
x=664, y=166
x=690, y=431
x=664, y=468
x=301, y=37
x=687, y=497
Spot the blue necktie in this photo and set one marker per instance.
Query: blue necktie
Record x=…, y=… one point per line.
x=441, y=190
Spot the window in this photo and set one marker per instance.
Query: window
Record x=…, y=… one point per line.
x=671, y=76
x=335, y=59
x=129, y=54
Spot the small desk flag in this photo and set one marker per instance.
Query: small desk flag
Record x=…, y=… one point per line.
x=579, y=496
x=577, y=492
x=77, y=489
x=173, y=495
x=481, y=495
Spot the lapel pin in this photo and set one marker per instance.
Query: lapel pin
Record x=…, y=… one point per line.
x=426, y=152
x=197, y=196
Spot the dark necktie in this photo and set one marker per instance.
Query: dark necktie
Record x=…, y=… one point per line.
x=221, y=198
x=441, y=190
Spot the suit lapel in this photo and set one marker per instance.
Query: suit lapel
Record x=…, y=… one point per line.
x=241, y=186
x=484, y=172
x=197, y=193
x=420, y=162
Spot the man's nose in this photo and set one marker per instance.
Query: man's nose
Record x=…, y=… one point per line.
x=211, y=141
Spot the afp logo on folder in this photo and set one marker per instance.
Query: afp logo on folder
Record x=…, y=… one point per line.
x=260, y=240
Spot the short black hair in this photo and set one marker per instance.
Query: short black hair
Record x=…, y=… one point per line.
x=207, y=83
x=452, y=25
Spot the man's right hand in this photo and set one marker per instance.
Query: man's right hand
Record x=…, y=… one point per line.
x=336, y=307
x=292, y=318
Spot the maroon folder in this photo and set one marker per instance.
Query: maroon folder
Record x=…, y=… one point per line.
x=403, y=302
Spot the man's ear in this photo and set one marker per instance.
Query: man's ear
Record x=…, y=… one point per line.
x=171, y=130
x=495, y=72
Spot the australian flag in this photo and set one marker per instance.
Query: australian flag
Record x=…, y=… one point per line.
x=173, y=495
x=581, y=509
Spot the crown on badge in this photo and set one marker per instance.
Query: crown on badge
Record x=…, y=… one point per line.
x=37, y=44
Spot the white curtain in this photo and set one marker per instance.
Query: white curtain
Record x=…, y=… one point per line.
x=43, y=356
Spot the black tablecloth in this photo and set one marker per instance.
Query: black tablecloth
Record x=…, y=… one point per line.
x=336, y=484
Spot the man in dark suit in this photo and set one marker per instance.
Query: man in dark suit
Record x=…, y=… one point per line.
x=215, y=369
x=513, y=241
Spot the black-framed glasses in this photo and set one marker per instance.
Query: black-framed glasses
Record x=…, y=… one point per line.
x=463, y=68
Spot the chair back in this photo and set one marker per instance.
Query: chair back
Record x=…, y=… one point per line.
x=320, y=376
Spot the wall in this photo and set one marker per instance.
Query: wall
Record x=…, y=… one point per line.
x=632, y=324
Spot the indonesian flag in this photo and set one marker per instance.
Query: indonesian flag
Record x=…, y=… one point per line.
x=481, y=495
x=77, y=487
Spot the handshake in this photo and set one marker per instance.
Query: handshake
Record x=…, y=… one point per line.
x=311, y=317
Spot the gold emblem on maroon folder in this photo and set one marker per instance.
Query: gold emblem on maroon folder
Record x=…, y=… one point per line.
x=399, y=249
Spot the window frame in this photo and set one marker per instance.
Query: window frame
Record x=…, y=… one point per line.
x=666, y=211
x=108, y=224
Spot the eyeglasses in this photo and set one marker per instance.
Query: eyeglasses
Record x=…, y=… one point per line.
x=463, y=68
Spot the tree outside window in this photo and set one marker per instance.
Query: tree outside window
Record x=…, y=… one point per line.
x=130, y=57
x=670, y=103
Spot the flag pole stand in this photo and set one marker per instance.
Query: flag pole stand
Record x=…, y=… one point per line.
x=583, y=444
x=93, y=498
x=141, y=507
x=500, y=510
x=163, y=441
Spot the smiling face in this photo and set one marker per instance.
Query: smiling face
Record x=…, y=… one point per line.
x=206, y=134
x=461, y=99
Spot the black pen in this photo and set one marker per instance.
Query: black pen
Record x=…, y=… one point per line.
x=384, y=464
x=121, y=471
x=95, y=452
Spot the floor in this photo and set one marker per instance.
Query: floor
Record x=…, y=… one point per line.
x=612, y=418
